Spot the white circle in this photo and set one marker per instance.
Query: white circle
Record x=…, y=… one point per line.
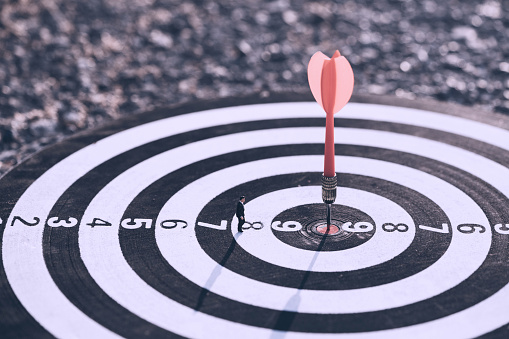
x=380, y=248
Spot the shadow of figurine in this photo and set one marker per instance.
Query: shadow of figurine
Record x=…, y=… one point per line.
x=287, y=318
x=216, y=272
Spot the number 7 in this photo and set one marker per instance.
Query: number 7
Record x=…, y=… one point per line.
x=444, y=229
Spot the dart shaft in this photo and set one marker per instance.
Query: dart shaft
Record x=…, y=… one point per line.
x=329, y=166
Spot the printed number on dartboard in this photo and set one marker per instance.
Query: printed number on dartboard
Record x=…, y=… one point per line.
x=67, y=222
x=364, y=227
x=282, y=226
x=137, y=223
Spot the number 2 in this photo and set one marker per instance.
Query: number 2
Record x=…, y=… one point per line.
x=24, y=222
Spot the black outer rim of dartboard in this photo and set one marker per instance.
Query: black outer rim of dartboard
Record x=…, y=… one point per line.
x=15, y=321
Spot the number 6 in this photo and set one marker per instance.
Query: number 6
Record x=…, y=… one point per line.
x=470, y=228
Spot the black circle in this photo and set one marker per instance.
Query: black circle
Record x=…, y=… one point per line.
x=310, y=216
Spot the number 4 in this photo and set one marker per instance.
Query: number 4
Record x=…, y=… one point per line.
x=99, y=222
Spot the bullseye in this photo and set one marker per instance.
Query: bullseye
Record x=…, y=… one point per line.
x=328, y=229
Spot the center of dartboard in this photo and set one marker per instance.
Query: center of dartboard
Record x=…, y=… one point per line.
x=306, y=227
x=328, y=229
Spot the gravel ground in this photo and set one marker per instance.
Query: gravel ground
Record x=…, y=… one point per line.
x=69, y=65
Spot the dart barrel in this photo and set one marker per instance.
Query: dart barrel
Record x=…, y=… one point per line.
x=329, y=185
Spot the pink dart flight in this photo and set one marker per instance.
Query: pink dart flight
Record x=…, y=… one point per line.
x=331, y=82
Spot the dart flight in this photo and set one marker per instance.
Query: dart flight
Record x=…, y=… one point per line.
x=331, y=81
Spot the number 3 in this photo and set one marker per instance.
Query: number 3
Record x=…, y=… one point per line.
x=57, y=222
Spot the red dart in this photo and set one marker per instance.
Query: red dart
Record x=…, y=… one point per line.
x=331, y=81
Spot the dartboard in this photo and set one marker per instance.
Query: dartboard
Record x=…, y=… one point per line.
x=130, y=230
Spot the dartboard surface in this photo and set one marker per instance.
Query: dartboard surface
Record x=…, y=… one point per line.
x=130, y=230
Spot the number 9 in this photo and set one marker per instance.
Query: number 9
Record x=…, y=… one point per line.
x=287, y=226
x=359, y=227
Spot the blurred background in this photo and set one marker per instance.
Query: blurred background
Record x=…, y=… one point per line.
x=71, y=65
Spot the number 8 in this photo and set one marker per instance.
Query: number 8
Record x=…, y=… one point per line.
x=390, y=227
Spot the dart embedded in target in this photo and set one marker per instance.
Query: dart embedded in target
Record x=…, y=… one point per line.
x=131, y=230
x=205, y=169
x=331, y=81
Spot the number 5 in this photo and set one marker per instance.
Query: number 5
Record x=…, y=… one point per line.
x=502, y=229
